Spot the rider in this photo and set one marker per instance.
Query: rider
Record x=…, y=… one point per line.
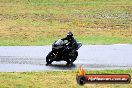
x=72, y=42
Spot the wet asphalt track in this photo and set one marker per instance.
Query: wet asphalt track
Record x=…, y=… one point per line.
x=91, y=57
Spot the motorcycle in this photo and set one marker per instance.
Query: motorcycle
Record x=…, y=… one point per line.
x=58, y=52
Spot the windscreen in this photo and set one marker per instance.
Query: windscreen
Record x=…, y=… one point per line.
x=59, y=42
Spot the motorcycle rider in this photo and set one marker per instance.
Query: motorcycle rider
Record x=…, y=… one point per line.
x=72, y=44
x=64, y=49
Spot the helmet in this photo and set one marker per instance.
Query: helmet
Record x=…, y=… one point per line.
x=69, y=34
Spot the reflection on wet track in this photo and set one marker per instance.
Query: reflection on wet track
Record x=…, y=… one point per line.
x=92, y=57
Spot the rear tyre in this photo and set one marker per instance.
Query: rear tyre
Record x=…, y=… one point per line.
x=69, y=62
x=74, y=56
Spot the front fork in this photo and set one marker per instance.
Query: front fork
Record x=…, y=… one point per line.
x=55, y=54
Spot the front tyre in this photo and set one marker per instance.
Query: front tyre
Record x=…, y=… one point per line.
x=49, y=58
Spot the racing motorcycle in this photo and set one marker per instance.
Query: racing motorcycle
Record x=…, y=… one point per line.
x=58, y=52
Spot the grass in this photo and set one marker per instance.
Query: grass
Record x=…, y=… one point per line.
x=40, y=22
x=55, y=79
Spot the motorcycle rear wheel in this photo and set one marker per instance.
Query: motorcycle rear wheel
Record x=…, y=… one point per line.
x=72, y=59
x=75, y=56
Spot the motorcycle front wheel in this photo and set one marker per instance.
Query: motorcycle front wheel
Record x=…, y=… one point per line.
x=49, y=58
